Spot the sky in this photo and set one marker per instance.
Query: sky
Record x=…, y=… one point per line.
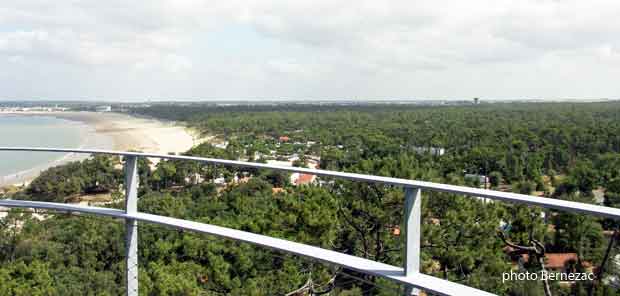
x=305, y=50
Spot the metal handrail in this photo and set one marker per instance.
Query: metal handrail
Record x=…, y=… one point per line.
x=409, y=275
x=422, y=281
x=557, y=204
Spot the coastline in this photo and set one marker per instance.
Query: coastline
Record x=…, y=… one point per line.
x=133, y=133
x=113, y=131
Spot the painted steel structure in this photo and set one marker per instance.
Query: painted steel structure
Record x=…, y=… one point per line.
x=408, y=275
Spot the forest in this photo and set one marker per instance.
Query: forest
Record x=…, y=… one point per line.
x=568, y=151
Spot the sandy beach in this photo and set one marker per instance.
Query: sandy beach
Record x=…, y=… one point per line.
x=133, y=133
x=115, y=131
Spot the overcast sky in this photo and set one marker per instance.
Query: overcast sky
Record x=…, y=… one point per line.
x=264, y=49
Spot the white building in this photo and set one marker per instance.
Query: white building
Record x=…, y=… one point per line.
x=221, y=145
x=103, y=108
x=482, y=179
x=435, y=151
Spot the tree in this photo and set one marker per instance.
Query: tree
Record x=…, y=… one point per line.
x=584, y=176
x=495, y=178
x=524, y=187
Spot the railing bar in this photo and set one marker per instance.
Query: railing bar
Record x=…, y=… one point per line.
x=409, y=275
x=412, y=220
x=366, y=266
x=613, y=213
x=131, y=225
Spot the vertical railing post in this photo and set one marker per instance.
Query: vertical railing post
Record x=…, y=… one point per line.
x=131, y=225
x=412, y=217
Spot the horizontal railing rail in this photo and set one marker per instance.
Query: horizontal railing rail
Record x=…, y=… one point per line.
x=408, y=275
x=422, y=281
x=558, y=204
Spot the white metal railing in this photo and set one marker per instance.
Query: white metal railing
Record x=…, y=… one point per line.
x=408, y=275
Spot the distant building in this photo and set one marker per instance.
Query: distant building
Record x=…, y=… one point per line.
x=276, y=190
x=554, y=262
x=298, y=179
x=293, y=157
x=482, y=179
x=221, y=145
x=284, y=138
x=196, y=178
x=476, y=101
x=435, y=151
x=561, y=262
x=312, y=163
x=103, y=108
x=280, y=162
x=242, y=180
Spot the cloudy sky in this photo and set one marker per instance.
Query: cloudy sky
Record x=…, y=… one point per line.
x=268, y=49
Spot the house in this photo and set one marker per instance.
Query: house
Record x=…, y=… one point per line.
x=277, y=190
x=3, y=212
x=242, y=180
x=311, y=163
x=481, y=179
x=279, y=162
x=298, y=179
x=561, y=262
x=284, y=139
x=221, y=145
x=195, y=178
x=103, y=108
x=435, y=151
x=293, y=157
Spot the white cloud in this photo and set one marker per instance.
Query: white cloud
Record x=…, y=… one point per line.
x=298, y=49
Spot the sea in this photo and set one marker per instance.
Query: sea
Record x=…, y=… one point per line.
x=36, y=131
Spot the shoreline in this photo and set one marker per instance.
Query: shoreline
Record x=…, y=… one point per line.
x=24, y=177
x=114, y=131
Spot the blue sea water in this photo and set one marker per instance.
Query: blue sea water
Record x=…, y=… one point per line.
x=35, y=131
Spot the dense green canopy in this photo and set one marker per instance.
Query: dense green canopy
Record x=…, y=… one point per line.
x=559, y=150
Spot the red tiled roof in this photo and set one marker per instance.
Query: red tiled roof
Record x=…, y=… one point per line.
x=305, y=179
x=557, y=260
x=284, y=138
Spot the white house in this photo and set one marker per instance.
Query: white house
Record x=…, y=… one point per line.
x=103, y=108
